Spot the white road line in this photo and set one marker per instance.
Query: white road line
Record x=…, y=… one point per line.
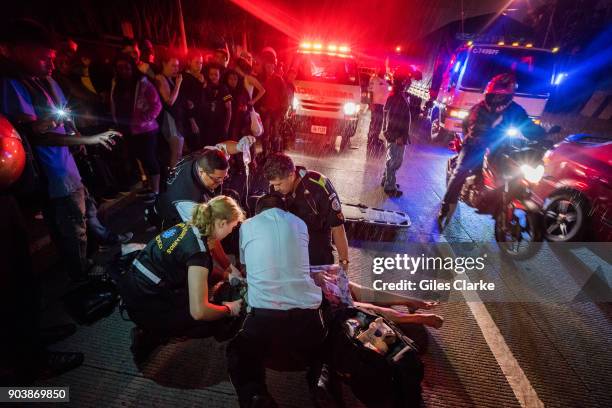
x=518, y=381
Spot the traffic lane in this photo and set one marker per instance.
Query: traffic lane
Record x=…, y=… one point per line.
x=356, y=176
x=559, y=338
x=460, y=370
x=570, y=285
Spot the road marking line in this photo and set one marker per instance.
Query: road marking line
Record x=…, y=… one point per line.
x=518, y=381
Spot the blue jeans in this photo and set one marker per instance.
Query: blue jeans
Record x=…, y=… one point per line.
x=469, y=161
x=395, y=157
x=94, y=226
x=65, y=217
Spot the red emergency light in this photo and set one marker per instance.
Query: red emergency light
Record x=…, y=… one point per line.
x=318, y=46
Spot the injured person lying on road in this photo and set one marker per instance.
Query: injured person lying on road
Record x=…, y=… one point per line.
x=340, y=291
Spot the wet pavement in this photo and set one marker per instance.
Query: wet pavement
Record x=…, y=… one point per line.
x=543, y=338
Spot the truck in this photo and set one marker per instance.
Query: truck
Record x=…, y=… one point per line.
x=468, y=70
x=327, y=99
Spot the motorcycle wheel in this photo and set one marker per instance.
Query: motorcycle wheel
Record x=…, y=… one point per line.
x=522, y=238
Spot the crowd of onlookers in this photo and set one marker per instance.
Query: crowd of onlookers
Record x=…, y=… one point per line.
x=95, y=127
x=166, y=104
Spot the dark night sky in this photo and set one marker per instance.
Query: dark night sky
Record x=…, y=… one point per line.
x=366, y=21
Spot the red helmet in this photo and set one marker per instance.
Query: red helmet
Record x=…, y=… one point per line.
x=502, y=84
x=12, y=154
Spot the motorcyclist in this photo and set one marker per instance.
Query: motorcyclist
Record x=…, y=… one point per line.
x=484, y=127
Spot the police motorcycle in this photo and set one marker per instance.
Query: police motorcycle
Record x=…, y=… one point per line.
x=502, y=189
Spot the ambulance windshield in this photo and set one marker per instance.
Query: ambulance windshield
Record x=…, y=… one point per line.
x=326, y=68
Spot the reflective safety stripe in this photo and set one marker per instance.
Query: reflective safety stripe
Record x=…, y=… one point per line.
x=198, y=236
x=146, y=271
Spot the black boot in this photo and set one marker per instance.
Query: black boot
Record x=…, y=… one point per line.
x=445, y=215
x=394, y=193
x=321, y=387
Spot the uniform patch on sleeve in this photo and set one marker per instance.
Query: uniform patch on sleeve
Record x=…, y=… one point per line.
x=169, y=233
x=336, y=205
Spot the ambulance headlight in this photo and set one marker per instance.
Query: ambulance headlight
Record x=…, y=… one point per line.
x=350, y=108
x=458, y=113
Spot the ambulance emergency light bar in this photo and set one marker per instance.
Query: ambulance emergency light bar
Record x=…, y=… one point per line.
x=331, y=48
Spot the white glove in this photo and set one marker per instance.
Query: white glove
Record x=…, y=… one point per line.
x=235, y=307
x=245, y=143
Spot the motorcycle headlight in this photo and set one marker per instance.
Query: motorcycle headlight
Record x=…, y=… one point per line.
x=532, y=174
x=512, y=132
x=295, y=103
x=350, y=108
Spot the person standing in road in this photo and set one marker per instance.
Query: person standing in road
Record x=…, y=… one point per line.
x=396, y=128
x=135, y=105
x=274, y=109
x=169, y=85
x=190, y=96
x=216, y=107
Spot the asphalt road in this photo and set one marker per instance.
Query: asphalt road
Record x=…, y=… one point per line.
x=541, y=338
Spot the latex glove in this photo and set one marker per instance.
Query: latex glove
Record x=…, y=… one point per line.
x=245, y=143
x=234, y=306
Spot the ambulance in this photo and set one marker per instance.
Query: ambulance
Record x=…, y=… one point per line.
x=327, y=99
x=472, y=66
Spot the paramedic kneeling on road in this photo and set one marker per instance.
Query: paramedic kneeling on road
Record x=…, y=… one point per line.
x=285, y=319
x=166, y=289
x=312, y=197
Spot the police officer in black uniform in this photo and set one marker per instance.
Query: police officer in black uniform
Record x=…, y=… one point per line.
x=312, y=197
x=166, y=289
x=196, y=179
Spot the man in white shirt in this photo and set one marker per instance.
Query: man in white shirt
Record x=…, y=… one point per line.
x=379, y=87
x=285, y=317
